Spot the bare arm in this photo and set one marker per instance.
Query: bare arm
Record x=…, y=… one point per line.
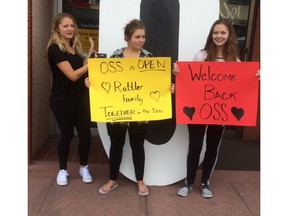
x=72, y=74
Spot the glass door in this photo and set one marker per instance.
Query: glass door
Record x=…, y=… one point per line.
x=242, y=14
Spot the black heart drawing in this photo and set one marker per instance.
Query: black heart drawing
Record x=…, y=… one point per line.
x=238, y=113
x=106, y=86
x=155, y=95
x=189, y=111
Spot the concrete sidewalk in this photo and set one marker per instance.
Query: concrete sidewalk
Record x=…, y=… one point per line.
x=236, y=193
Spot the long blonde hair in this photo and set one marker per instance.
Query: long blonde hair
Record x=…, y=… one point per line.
x=55, y=36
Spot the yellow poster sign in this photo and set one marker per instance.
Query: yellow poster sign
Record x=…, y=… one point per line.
x=130, y=89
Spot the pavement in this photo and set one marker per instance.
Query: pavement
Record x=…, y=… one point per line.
x=236, y=193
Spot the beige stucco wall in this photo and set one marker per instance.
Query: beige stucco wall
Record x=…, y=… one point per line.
x=41, y=75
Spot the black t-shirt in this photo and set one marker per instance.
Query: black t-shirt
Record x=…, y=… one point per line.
x=61, y=83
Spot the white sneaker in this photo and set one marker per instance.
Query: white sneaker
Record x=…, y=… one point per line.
x=185, y=190
x=206, y=191
x=85, y=174
x=62, y=177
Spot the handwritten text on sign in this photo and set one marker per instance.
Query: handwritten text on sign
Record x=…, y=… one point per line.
x=224, y=93
x=130, y=89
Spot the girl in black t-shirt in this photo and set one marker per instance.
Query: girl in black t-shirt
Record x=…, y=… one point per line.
x=69, y=99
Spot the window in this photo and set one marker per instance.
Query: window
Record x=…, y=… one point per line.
x=86, y=13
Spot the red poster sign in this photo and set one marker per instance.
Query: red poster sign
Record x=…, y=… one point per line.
x=224, y=93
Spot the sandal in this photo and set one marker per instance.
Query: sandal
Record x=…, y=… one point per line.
x=105, y=189
x=143, y=190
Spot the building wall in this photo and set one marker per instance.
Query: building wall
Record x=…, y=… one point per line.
x=29, y=75
x=41, y=123
x=39, y=74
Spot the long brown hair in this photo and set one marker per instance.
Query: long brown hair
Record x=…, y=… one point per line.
x=230, y=51
x=55, y=36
